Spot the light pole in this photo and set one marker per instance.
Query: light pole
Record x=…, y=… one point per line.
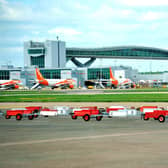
x=58, y=52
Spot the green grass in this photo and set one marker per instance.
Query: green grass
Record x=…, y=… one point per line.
x=88, y=98
x=35, y=92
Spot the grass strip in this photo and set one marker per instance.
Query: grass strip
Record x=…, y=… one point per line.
x=88, y=98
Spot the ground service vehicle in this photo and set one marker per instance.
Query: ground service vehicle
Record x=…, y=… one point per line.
x=148, y=109
x=19, y=113
x=87, y=113
x=159, y=115
x=120, y=111
x=56, y=111
x=48, y=112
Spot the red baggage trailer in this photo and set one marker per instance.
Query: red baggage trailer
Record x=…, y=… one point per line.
x=159, y=115
x=19, y=113
x=87, y=113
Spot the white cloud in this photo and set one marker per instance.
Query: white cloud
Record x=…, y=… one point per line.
x=2, y=2
x=57, y=12
x=64, y=31
x=108, y=14
x=105, y=13
x=80, y=6
x=35, y=32
x=14, y=11
x=144, y=2
x=152, y=16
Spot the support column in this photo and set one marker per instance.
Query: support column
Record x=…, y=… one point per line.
x=86, y=64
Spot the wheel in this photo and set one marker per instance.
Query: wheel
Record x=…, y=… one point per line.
x=109, y=116
x=145, y=118
x=7, y=116
x=18, y=117
x=86, y=117
x=35, y=116
x=161, y=118
x=99, y=118
x=34, y=112
x=74, y=117
x=30, y=117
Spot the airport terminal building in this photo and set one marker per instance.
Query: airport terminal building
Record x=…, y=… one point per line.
x=54, y=54
x=51, y=57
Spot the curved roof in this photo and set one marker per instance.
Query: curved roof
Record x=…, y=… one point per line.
x=133, y=52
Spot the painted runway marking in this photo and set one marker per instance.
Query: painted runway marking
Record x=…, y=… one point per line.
x=78, y=138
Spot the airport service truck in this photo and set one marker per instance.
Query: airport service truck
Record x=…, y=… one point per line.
x=159, y=115
x=87, y=113
x=19, y=113
x=150, y=112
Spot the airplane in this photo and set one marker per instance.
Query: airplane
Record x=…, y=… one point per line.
x=122, y=83
x=114, y=83
x=53, y=83
x=9, y=84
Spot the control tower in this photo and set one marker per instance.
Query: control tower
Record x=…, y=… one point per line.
x=45, y=54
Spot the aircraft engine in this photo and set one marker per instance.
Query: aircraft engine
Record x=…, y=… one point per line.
x=16, y=86
x=71, y=86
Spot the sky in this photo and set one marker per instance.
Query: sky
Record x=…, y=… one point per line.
x=85, y=23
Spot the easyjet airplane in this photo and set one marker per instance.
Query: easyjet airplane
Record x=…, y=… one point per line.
x=124, y=83
x=53, y=83
x=9, y=84
x=114, y=83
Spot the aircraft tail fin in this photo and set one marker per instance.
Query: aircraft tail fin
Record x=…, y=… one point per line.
x=111, y=74
x=40, y=78
x=39, y=75
x=113, y=80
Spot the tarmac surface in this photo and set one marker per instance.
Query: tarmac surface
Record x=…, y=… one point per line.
x=60, y=142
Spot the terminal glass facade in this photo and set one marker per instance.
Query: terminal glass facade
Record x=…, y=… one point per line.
x=4, y=75
x=118, y=51
x=51, y=73
x=36, y=51
x=98, y=73
x=38, y=61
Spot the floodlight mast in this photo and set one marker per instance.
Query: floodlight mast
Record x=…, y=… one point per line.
x=58, y=52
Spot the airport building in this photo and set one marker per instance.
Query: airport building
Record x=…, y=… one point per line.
x=54, y=54
x=51, y=57
x=8, y=72
x=50, y=54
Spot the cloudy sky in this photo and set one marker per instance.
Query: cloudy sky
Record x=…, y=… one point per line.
x=85, y=23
